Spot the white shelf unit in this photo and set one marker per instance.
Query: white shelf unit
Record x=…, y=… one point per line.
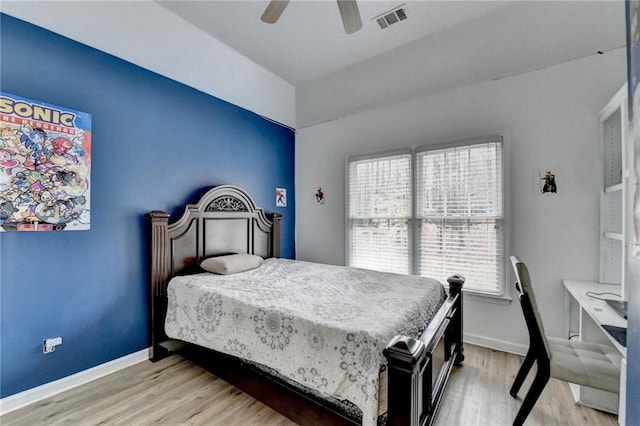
x=613, y=129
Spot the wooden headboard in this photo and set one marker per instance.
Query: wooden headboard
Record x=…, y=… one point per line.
x=225, y=220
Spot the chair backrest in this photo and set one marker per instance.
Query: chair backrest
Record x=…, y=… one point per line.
x=529, y=306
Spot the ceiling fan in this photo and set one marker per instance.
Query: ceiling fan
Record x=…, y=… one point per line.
x=348, y=11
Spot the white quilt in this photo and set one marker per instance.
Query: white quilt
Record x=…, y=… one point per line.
x=323, y=326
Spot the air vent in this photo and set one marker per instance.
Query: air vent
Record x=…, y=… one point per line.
x=392, y=16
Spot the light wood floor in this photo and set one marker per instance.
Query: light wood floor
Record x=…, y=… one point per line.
x=177, y=392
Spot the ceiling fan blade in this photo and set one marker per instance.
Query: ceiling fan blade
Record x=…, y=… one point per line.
x=273, y=11
x=350, y=15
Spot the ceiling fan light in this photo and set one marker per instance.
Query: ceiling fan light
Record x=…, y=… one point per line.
x=348, y=12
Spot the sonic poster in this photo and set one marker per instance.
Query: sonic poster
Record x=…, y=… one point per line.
x=45, y=164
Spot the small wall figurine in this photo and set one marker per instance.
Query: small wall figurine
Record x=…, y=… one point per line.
x=548, y=182
x=319, y=196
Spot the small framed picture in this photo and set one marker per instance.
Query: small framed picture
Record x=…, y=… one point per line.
x=281, y=197
x=548, y=183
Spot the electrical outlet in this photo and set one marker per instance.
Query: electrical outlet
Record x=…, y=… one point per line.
x=49, y=345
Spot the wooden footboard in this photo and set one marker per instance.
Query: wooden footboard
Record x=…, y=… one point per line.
x=419, y=368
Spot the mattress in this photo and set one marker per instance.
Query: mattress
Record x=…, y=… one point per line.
x=321, y=326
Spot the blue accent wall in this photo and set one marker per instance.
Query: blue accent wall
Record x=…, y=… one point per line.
x=156, y=144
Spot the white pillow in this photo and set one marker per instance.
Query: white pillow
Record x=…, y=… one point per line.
x=231, y=264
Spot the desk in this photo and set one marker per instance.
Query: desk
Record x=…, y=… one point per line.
x=593, y=313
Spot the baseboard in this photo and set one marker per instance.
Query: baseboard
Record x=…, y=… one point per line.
x=497, y=344
x=47, y=390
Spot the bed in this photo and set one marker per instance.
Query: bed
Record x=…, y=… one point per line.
x=390, y=368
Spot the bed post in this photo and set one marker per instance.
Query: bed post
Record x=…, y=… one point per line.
x=455, y=289
x=404, y=381
x=276, y=218
x=158, y=275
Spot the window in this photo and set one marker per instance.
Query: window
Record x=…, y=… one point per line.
x=457, y=225
x=380, y=212
x=459, y=214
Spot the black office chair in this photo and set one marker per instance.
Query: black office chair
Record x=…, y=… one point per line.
x=583, y=363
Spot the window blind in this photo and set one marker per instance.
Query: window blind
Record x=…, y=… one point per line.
x=379, y=213
x=459, y=207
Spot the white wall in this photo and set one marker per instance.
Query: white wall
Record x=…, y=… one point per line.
x=524, y=36
x=552, y=116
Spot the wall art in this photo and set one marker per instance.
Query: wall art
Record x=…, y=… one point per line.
x=320, y=197
x=548, y=183
x=281, y=197
x=45, y=165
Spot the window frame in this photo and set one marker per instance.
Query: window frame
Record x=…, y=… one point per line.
x=505, y=295
x=410, y=219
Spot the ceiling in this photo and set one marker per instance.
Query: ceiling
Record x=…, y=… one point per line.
x=309, y=42
x=309, y=71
